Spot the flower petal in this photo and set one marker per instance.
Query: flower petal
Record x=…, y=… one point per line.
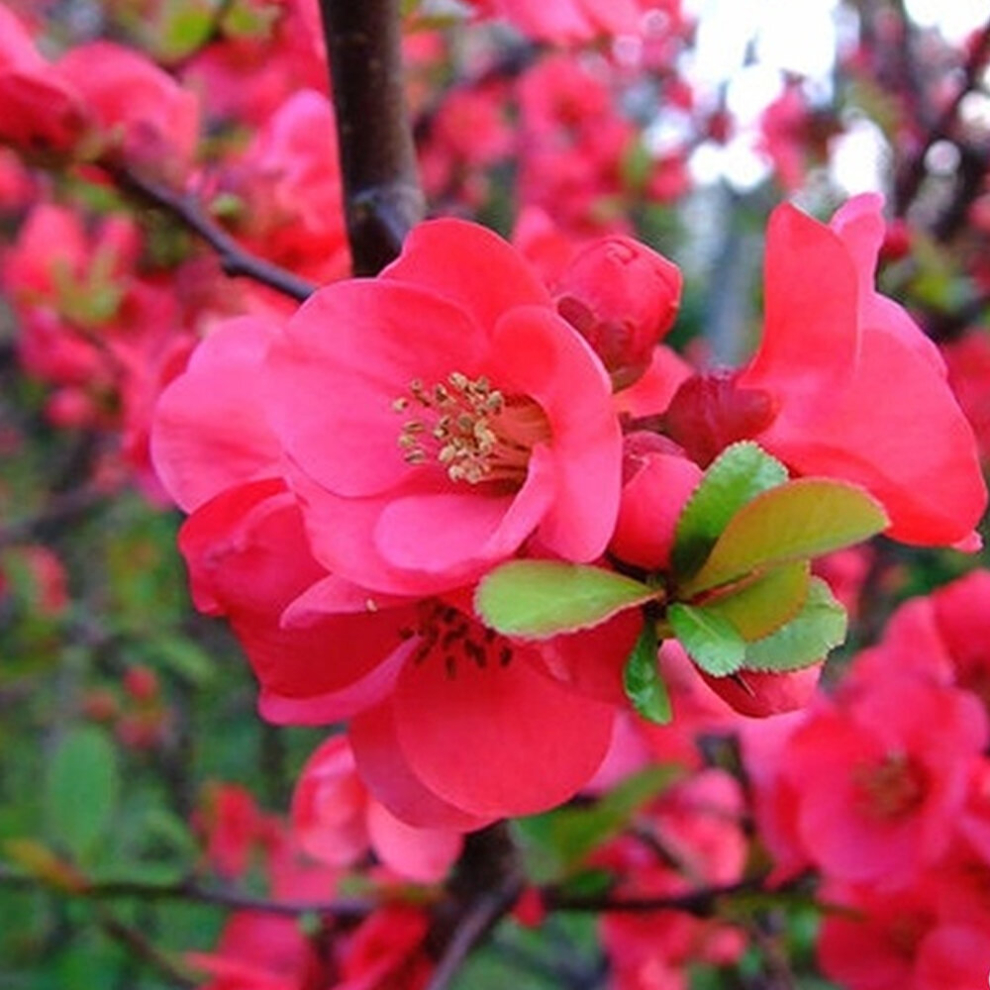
x=500, y=739
x=540, y=355
x=348, y=354
x=209, y=433
x=471, y=267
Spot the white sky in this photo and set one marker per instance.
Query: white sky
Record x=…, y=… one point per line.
x=748, y=44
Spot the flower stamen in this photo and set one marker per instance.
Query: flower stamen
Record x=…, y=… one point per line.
x=470, y=428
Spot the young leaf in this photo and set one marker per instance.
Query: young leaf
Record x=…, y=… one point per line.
x=711, y=641
x=541, y=598
x=81, y=789
x=641, y=679
x=807, y=638
x=736, y=476
x=760, y=607
x=795, y=521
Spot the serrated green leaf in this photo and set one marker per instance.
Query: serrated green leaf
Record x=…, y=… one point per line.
x=644, y=686
x=554, y=844
x=762, y=606
x=81, y=789
x=819, y=627
x=711, y=641
x=795, y=521
x=540, y=598
x=740, y=473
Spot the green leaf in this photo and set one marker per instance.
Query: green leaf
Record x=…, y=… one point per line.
x=740, y=473
x=81, y=789
x=794, y=521
x=641, y=679
x=761, y=606
x=556, y=843
x=184, y=657
x=541, y=598
x=818, y=627
x=710, y=640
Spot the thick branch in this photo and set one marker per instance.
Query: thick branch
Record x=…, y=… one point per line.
x=382, y=197
x=234, y=259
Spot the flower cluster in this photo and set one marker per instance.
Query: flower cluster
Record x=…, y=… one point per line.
x=353, y=473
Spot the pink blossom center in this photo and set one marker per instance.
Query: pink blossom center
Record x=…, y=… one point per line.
x=454, y=636
x=475, y=431
x=890, y=790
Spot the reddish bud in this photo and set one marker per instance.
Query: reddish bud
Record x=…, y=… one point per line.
x=757, y=694
x=656, y=485
x=622, y=297
x=708, y=412
x=897, y=242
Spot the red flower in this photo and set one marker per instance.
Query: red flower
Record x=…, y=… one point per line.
x=435, y=418
x=337, y=821
x=860, y=393
x=879, y=778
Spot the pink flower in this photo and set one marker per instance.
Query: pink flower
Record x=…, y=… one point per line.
x=435, y=694
x=41, y=112
x=859, y=393
x=337, y=821
x=880, y=777
x=140, y=108
x=437, y=417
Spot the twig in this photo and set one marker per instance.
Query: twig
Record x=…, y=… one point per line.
x=382, y=196
x=346, y=909
x=235, y=260
x=143, y=948
x=482, y=916
x=701, y=903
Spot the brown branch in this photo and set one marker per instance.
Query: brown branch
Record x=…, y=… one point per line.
x=475, y=924
x=142, y=947
x=382, y=196
x=235, y=260
x=487, y=882
x=345, y=909
x=913, y=172
x=701, y=903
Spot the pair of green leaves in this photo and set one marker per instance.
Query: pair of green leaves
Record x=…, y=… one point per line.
x=740, y=595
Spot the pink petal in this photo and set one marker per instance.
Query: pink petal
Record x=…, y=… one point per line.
x=386, y=773
x=498, y=740
x=870, y=434
x=248, y=559
x=210, y=432
x=421, y=854
x=348, y=354
x=540, y=355
x=468, y=532
x=471, y=267
x=811, y=338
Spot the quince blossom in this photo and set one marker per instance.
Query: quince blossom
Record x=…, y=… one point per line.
x=437, y=417
x=859, y=393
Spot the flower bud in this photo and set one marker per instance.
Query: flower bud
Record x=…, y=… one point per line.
x=622, y=297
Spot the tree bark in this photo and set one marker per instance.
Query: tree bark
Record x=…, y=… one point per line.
x=382, y=196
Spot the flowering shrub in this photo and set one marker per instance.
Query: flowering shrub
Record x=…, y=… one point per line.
x=556, y=601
